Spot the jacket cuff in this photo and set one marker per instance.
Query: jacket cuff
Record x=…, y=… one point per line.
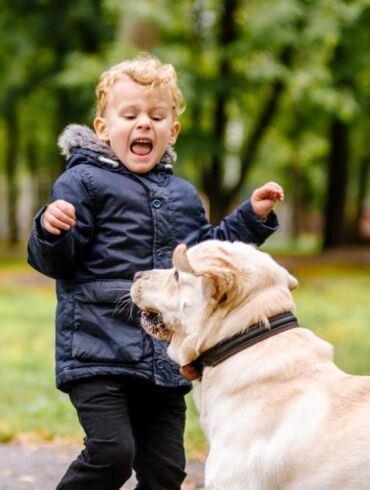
x=261, y=228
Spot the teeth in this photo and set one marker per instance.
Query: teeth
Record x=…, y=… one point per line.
x=142, y=141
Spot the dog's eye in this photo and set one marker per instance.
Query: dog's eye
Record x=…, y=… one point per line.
x=176, y=275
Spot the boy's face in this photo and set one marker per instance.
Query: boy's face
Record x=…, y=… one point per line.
x=137, y=124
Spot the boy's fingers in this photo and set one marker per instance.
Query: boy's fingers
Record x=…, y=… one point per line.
x=51, y=229
x=66, y=207
x=273, y=190
x=58, y=214
x=61, y=222
x=279, y=196
x=61, y=211
x=273, y=186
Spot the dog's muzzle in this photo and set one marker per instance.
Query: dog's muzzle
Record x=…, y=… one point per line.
x=152, y=323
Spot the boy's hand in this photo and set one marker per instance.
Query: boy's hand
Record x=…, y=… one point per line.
x=59, y=215
x=264, y=198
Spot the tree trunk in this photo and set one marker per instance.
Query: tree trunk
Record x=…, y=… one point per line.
x=336, y=184
x=212, y=179
x=40, y=181
x=297, y=200
x=353, y=229
x=69, y=108
x=11, y=161
x=263, y=122
x=220, y=198
x=361, y=196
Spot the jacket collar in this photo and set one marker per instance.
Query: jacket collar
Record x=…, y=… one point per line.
x=76, y=136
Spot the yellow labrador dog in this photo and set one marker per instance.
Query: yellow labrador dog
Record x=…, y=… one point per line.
x=278, y=413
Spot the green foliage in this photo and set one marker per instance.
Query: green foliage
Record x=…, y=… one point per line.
x=300, y=62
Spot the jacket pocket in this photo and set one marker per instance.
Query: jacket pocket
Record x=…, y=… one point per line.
x=105, y=327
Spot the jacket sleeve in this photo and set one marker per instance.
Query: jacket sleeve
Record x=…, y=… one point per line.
x=58, y=256
x=241, y=225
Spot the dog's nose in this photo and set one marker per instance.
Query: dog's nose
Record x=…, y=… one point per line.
x=137, y=275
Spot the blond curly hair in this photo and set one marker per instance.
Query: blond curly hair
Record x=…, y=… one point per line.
x=146, y=70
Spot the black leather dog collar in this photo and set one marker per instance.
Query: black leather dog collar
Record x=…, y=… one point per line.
x=223, y=350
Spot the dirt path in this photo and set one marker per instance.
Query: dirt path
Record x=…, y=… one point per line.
x=40, y=467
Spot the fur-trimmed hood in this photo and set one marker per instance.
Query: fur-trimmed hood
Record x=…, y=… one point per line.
x=79, y=136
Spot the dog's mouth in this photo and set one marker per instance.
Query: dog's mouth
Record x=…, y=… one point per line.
x=152, y=322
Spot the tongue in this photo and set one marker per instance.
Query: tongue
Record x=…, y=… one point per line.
x=141, y=148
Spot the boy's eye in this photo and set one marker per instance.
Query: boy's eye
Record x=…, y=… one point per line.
x=157, y=118
x=129, y=116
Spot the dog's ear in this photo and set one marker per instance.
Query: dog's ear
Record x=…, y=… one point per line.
x=220, y=286
x=180, y=259
x=221, y=279
x=292, y=282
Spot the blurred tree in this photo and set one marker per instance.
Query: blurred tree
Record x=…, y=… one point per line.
x=37, y=52
x=18, y=75
x=11, y=159
x=348, y=58
x=275, y=88
x=282, y=65
x=226, y=124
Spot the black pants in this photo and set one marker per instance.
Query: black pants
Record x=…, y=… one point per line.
x=129, y=423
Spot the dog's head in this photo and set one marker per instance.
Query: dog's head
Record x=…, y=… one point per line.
x=214, y=290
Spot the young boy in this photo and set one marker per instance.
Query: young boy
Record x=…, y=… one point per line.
x=116, y=210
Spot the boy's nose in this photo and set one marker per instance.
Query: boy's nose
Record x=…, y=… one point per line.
x=143, y=123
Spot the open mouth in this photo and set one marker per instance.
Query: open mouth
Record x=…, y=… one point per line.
x=141, y=146
x=152, y=323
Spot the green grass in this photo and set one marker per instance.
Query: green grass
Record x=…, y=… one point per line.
x=30, y=403
x=29, y=400
x=331, y=301
x=335, y=304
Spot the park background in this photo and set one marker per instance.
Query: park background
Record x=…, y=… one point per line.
x=275, y=90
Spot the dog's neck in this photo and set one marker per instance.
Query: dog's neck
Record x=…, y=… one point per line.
x=226, y=322
x=229, y=347
x=256, y=309
x=264, y=366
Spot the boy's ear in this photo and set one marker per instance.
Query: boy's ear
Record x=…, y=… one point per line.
x=176, y=126
x=101, y=128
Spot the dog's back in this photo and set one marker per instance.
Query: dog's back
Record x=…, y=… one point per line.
x=287, y=421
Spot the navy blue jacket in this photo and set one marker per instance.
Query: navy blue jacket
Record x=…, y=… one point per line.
x=126, y=223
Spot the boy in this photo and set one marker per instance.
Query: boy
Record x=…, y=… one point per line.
x=116, y=210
